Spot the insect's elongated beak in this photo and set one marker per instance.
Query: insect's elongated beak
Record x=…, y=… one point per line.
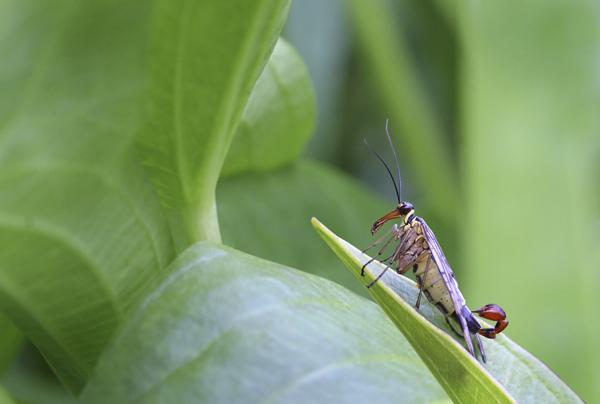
x=381, y=221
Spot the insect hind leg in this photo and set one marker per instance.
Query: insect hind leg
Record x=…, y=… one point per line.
x=480, y=346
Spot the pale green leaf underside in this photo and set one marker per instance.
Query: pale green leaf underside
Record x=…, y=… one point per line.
x=510, y=372
x=226, y=327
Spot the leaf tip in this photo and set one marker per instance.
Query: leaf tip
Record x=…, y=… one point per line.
x=315, y=222
x=321, y=228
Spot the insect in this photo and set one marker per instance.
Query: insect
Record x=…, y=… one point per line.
x=418, y=249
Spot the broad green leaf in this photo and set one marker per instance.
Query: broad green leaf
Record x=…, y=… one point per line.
x=267, y=215
x=531, y=173
x=206, y=57
x=510, y=374
x=81, y=229
x=226, y=327
x=278, y=118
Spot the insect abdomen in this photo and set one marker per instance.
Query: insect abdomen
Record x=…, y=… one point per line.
x=434, y=287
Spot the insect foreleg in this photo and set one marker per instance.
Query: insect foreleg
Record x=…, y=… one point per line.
x=394, y=230
x=396, y=235
x=387, y=266
x=397, y=255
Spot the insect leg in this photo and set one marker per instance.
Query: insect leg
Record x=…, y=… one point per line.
x=481, y=350
x=400, y=249
x=467, y=335
x=418, y=303
x=395, y=236
x=379, y=240
x=387, y=266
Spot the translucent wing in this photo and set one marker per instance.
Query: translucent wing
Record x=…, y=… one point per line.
x=446, y=272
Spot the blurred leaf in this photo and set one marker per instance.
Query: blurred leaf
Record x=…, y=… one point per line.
x=80, y=227
x=268, y=215
x=325, y=48
x=206, y=56
x=30, y=381
x=228, y=327
x=510, y=369
x=531, y=149
x=449, y=10
x=4, y=397
x=413, y=121
x=11, y=342
x=278, y=118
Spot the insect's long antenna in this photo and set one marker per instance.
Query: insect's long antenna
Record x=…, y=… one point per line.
x=387, y=121
x=387, y=168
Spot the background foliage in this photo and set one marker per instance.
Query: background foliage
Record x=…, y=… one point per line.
x=116, y=121
x=514, y=88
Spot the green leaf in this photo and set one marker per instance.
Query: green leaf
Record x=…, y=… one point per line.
x=267, y=215
x=510, y=374
x=530, y=143
x=206, y=57
x=81, y=229
x=278, y=118
x=226, y=327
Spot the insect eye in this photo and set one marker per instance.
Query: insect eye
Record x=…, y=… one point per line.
x=405, y=207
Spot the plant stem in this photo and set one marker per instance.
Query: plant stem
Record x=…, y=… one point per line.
x=201, y=221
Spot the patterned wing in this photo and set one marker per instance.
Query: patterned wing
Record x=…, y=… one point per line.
x=446, y=272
